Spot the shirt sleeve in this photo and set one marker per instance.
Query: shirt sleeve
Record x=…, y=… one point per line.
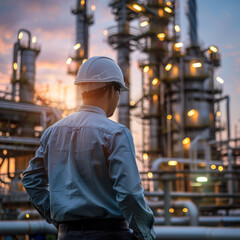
x=35, y=182
x=126, y=182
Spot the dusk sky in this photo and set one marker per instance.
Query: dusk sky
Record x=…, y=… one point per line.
x=54, y=26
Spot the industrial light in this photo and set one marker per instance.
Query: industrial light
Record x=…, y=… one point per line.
x=5, y=152
x=93, y=8
x=77, y=46
x=185, y=210
x=137, y=7
x=177, y=28
x=172, y=163
x=144, y=24
x=201, y=179
x=27, y=215
x=168, y=67
x=169, y=3
x=218, y=114
x=171, y=210
x=146, y=68
x=105, y=32
x=150, y=175
x=186, y=141
x=213, y=49
x=169, y=116
x=84, y=60
x=15, y=66
x=69, y=60
x=178, y=45
x=20, y=35
x=82, y=2
x=7, y=134
x=34, y=39
x=155, y=97
x=160, y=12
x=191, y=112
x=145, y=156
x=197, y=65
x=132, y=103
x=220, y=168
x=159, y=210
x=161, y=36
x=168, y=10
x=220, y=80
x=155, y=81
x=213, y=166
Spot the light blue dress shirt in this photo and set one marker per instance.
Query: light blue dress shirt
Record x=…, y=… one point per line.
x=85, y=167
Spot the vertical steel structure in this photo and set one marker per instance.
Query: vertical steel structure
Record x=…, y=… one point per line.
x=26, y=53
x=83, y=21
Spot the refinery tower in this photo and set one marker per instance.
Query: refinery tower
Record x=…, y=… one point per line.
x=189, y=169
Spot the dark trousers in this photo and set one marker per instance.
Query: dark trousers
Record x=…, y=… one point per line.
x=94, y=231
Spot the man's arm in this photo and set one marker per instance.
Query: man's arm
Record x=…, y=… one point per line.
x=35, y=181
x=124, y=173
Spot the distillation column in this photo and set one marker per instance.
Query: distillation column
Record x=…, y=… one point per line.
x=83, y=20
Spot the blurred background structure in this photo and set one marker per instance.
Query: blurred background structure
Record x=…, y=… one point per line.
x=189, y=160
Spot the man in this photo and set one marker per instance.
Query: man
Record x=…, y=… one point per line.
x=84, y=178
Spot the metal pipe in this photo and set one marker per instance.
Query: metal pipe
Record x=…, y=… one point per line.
x=202, y=221
x=184, y=233
x=26, y=227
x=167, y=202
x=192, y=18
x=192, y=209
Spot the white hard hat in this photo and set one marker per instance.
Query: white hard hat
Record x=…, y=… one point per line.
x=102, y=70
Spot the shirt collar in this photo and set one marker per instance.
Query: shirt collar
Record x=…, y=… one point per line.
x=91, y=108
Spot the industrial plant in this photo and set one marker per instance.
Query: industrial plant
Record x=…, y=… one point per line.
x=190, y=163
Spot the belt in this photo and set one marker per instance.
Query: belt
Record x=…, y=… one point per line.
x=95, y=224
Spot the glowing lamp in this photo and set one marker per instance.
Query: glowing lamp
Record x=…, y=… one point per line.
x=69, y=60
x=171, y=210
x=155, y=81
x=213, y=49
x=146, y=68
x=168, y=67
x=172, y=163
x=169, y=116
x=132, y=103
x=167, y=9
x=213, y=167
x=177, y=28
x=105, y=32
x=150, y=175
x=93, y=8
x=137, y=7
x=34, y=39
x=20, y=35
x=161, y=36
x=15, y=66
x=145, y=156
x=191, y=112
x=220, y=80
x=218, y=114
x=77, y=46
x=220, y=168
x=144, y=24
x=185, y=210
x=197, y=65
x=201, y=179
x=186, y=141
x=84, y=60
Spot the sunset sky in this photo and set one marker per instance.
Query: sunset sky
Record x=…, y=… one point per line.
x=54, y=26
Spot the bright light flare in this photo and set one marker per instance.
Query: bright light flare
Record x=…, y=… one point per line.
x=34, y=39
x=15, y=66
x=171, y=210
x=213, y=49
x=201, y=179
x=220, y=80
x=172, y=163
x=5, y=152
x=93, y=8
x=105, y=32
x=213, y=166
x=132, y=103
x=177, y=28
x=167, y=9
x=169, y=116
x=137, y=7
x=146, y=68
x=220, y=168
x=178, y=45
x=27, y=215
x=150, y=175
x=168, y=67
x=161, y=36
x=186, y=141
x=20, y=35
x=69, y=60
x=84, y=60
x=77, y=46
x=155, y=81
x=185, y=210
x=218, y=114
x=155, y=97
x=191, y=112
x=144, y=24
x=169, y=3
x=197, y=65
x=145, y=156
